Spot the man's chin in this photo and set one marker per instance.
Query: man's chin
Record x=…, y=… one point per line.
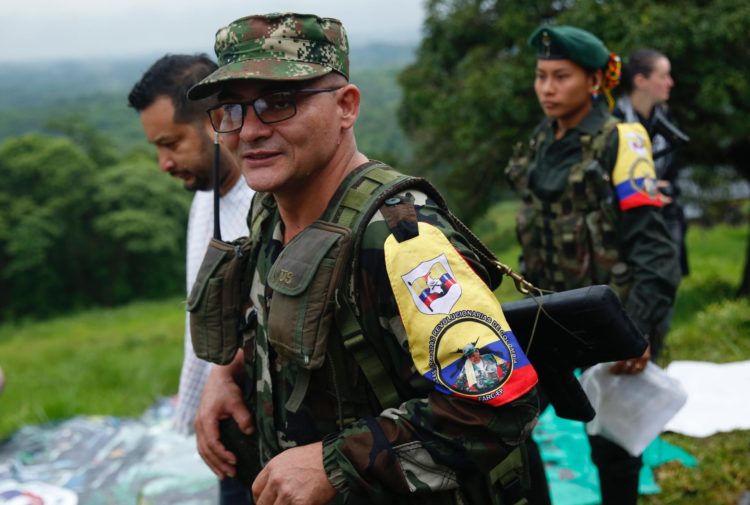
x=194, y=184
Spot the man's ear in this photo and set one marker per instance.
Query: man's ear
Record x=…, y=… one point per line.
x=206, y=124
x=348, y=102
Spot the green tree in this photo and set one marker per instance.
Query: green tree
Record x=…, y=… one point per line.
x=46, y=184
x=468, y=97
x=378, y=133
x=141, y=216
x=74, y=234
x=95, y=143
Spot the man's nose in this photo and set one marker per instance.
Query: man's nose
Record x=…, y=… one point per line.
x=166, y=163
x=253, y=128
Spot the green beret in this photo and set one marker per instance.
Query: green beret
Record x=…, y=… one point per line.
x=278, y=47
x=569, y=43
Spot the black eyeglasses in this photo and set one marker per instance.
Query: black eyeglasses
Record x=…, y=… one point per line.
x=271, y=108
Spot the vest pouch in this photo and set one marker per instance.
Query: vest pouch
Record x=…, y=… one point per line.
x=217, y=300
x=304, y=279
x=528, y=224
x=571, y=242
x=603, y=237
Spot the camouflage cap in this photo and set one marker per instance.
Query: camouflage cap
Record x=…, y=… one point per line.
x=278, y=47
x=569, y=43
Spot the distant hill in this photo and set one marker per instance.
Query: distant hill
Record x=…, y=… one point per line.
x=32, y=94
x=373, y=56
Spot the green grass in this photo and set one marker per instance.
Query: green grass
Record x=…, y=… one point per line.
x=106, y=361
x=710, y=325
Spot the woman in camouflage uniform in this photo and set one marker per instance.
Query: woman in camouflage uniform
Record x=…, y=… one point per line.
x=591, y=213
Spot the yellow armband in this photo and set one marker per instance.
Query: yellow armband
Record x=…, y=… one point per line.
x=458, y=336
x=634, y=177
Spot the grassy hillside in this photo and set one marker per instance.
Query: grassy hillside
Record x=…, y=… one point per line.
x=117, y=361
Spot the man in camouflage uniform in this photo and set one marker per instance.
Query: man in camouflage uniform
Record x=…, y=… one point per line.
x=287, y=111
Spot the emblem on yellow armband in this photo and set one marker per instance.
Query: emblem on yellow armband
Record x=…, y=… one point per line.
x=433, y=286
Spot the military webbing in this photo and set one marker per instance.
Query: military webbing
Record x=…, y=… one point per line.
x=583, y=193
x=507, y=479
x=361, y=195
x=358, y=198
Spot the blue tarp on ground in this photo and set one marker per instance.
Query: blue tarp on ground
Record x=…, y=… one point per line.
x=113, y=461
x=571, y=474
x=105, y=460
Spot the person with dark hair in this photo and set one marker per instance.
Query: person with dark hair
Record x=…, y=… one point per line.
x=180, y=130
x=647, y=80
x=590, y=211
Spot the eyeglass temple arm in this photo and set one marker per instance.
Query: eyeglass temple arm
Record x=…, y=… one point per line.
x=217, y=187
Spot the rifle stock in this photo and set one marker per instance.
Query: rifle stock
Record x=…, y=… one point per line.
x=577, y=328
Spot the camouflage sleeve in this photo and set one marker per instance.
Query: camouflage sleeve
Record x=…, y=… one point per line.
x=432, y=441
x=651, y=255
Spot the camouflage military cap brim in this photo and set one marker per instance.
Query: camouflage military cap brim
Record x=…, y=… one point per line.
x=277, y=47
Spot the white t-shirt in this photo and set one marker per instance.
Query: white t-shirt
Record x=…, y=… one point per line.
x=233, y=209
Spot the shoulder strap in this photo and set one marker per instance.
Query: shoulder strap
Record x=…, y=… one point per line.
x=360, y=196
x=600, y=141
x=363, y=194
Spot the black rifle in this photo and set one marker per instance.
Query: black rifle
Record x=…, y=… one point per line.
x=663, y=126
x=576, y=328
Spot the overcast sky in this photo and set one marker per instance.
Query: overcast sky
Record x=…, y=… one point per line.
x=63, y=29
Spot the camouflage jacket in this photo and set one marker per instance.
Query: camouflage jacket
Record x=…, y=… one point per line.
x=642, y=238
x=432, y=444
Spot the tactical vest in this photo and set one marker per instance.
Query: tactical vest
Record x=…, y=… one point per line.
x=572, y=241
x=321, y=263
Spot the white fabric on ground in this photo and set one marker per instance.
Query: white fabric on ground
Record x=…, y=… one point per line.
x=717, y=397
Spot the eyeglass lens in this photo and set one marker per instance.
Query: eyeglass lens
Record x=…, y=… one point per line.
x=271, y=108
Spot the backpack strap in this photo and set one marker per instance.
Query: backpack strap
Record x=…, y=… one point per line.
x=364, y=192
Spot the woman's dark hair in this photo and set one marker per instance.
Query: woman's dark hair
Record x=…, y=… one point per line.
x=173, y=75
x=640, y=62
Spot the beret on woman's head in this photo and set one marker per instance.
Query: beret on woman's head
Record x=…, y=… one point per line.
x=569, y=43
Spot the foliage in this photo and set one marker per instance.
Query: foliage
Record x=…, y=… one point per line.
x=468, y=97
x=42, y=230
x=73, y=233
x=141, y=217
x=379, y=135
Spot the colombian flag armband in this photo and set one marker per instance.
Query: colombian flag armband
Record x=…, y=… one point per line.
x=458, y=336
x=634, y=177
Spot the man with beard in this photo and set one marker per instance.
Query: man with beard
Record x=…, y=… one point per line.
x=181, y=131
